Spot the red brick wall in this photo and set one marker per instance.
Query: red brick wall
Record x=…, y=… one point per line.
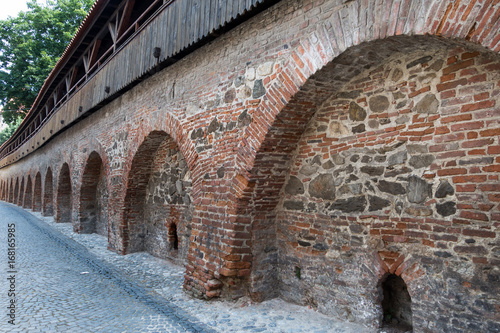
x=48, y=194
x=28, y=194
x=20, y=194
x=237, y=113
x=64, y=195
x=93, y=197
x=16, y=191
x=158, y=206
x=382, y=182
x=37, y=193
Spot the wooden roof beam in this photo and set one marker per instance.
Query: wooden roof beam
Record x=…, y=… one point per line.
x=125, y=19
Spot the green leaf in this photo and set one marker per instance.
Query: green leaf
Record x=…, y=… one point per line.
x=30, y=45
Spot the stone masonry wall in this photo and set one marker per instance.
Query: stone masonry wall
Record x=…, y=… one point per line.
x=168, y=208
x=393, y=175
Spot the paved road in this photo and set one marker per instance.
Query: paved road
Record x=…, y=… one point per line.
x=68, y=282
x=60, y=286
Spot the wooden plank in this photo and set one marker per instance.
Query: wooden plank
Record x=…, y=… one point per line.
x=125, y=19
x=235, y=9
x=148, y=55
x=225, y=6
x=218, y=14
x=153, y=33
x=241, y=7
x=194, y=22
x=144, y=50
x=213, y=15
x=161, y=33
x=206, y=29
x=169, y=26
x=179, y=27
x=201, y=18
x=188, y=23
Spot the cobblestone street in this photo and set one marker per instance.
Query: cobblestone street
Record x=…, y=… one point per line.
x=67, y=282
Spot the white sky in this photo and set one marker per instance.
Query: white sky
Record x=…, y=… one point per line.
x=11, y=8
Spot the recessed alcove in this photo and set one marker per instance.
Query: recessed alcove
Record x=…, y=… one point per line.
x=396, y=303
x=173, y=237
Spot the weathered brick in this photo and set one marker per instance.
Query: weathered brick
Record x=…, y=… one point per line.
x=239, y=152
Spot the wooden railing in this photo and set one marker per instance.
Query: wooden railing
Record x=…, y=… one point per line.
x=179, y=25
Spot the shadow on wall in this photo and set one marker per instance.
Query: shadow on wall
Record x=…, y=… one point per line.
x=379, y=166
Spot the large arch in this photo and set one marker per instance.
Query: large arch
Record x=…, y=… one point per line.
x=64, y=196
x=158, y=205
x=380, y=141
x=37, y=193
x=346, y=26
x=48, y=197
x=93, y=216
x=19, y=200
x=28, y=194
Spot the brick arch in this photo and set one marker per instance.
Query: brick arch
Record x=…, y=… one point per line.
x=262, y=188
x=172, y=126
x=92, y=214
x=6, y=190
x=143, y=202
x=48, y=196
x=308, y=66
x=28, y=194
x=19, y=199
x=474, y=24
x=10, y=197
x=37, y=193
x=64, y=195
x=16, y=191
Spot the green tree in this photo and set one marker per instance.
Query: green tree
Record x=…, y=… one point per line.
x=7, y=132
x=30, y=46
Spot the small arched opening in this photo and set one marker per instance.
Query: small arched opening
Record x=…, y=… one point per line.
x=93, y=197
x=37, y=194
x=64, y=197
x=19, y=200
x=48, y=199
x=396, y=303
x=16, y=191
x=173, y=238
x=28, y=194
x=158, y=206
x=11, y=192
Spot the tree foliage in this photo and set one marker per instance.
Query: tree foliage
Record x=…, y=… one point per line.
x=30, y=46
x=7, y=132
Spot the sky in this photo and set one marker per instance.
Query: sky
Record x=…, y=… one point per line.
x=11, y=8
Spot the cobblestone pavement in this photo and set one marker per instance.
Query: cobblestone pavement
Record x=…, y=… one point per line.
x=68, y=282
